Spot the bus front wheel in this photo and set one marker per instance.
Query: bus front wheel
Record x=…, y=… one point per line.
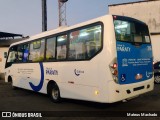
x=54, y=93
x=11, y=81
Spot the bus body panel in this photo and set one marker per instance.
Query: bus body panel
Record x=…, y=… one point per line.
x=23, y=74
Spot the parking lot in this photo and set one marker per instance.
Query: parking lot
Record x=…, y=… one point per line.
x=24, y=100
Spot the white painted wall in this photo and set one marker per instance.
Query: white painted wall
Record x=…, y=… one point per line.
x=156, y=47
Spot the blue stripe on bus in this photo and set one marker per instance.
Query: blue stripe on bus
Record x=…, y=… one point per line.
x=39, y=86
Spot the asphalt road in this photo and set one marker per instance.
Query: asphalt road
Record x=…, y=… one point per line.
x=24, y=100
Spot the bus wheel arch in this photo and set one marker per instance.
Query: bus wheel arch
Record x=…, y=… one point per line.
x=10, y=80
x=53, y=91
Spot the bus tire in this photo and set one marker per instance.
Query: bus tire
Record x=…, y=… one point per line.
x=54, y=93
x=11, y=81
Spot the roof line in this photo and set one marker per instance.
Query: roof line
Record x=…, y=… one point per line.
x=7, y=35
x=155, y=33
x=132, y=2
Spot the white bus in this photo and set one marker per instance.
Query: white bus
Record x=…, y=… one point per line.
x=107, y=59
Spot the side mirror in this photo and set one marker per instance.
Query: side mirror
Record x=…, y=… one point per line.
x=5, y=54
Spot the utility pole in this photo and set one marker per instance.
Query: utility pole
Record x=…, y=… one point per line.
x=44, y=15
x=62, y=12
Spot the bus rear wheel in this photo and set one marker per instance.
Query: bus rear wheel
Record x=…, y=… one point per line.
x=54, y=93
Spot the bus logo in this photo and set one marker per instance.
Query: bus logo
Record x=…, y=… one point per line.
x=124, y=62
x=50, y=71
x=148, y=74
x=123, y=48
x=78, y=72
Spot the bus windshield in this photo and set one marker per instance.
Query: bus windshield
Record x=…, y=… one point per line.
x=130, y=30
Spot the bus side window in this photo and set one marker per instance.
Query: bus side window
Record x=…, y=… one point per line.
x=12, y=55
x=26, y=53
x=20, y=53
x=61, y=47
x=50, y=48
x=37, y=51
x=77, y=47
x=85, y=43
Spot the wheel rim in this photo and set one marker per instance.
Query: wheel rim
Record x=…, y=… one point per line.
x=55, y=94
x=157, y=79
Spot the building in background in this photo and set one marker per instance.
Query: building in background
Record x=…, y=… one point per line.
x=6, y=39
x=147, y=11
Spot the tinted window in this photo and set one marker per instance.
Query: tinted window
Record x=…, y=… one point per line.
x=50, y=48
x=37, y=51
x=20, y=53
x=85, y=43
x=25, y=52
x=61, y=47
x=12, y=54
x=131, y=31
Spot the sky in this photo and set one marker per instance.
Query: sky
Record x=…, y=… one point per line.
x=24, y=16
